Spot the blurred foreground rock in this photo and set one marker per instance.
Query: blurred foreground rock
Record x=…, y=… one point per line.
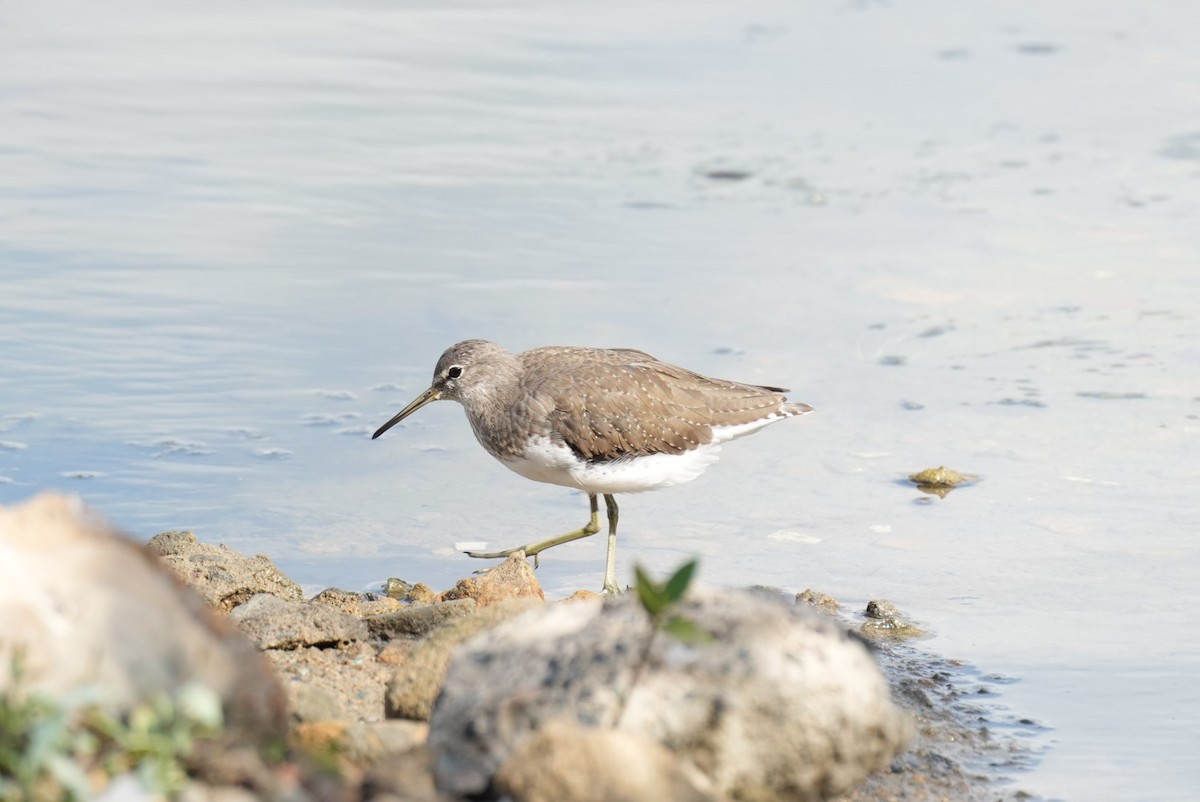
x=781, y=705
x=565, y=760
x=84, y=608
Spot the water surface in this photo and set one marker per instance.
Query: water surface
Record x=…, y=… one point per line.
x=234, y=240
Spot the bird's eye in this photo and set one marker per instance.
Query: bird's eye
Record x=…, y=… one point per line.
x=454, y=371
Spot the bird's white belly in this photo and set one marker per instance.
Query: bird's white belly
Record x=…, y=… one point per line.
x=546, y=461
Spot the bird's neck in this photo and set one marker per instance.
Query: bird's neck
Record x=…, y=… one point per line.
x=490, y=412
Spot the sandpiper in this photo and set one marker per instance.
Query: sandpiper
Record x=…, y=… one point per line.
x=603, y=420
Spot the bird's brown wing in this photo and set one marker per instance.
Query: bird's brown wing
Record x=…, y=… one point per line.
x=621, y=403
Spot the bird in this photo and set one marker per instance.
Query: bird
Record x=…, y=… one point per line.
x=601, y=420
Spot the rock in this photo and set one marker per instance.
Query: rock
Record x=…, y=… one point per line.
x=317, y=737
x=276, y=624
x=419, y=621
x=218, y=573
x=371, y=742
x=406, y=778
x=769, y=591
x=351, y=675
x=420, y=671
x=360, y=605
x=821, y=601
x=941, y=480
x=197, y=792
x=941, y=476
x=421, y=593
x=86, y=608
x=511, y=579
x=881, y=608
x=565, y=760
x=396, y=588
x=784, y=705
x=583, y=595
x=885, y=621
x=310, y=702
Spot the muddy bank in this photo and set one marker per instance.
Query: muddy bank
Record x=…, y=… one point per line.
x=366, y=692
x=487, y=690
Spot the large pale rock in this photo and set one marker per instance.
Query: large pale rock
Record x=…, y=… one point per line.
x=218, y=573
x=783, y=705
x=565, y=761
x=81, y=607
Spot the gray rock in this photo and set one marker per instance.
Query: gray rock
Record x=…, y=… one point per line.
x=783, y=705
x=218, y=573
x=86, y=608
x=276, y=624
x=419, y=621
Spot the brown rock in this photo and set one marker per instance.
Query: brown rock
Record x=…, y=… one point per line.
x=347, y=682
x=366, y=743
x=419, y=620
x=583, y=595
x=361, y=605
x=822, y=601
x=318, y=736
x=218, y=573
x=373, y=741
x=421, y=593
x=421, y=670
x=511, y=579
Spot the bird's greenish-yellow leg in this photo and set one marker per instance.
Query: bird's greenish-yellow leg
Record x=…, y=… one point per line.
x=588, y=529
x=610, y=562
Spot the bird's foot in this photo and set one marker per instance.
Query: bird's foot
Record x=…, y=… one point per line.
x=499, y=555
x=493, y=555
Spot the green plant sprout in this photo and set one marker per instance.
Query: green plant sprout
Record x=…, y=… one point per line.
x=659, y=599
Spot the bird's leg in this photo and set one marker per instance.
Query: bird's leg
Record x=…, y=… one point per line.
x=533, y=549
x=610, y=562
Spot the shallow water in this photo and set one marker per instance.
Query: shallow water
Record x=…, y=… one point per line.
x=233, y=241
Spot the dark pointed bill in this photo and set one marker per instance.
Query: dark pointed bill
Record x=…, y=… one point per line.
x=424, y=398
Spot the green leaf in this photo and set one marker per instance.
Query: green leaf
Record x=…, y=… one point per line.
x=686, y=631
x=652, y=596
x=677, y=585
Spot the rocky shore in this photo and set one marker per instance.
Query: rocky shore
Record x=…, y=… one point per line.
x=482, y=691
